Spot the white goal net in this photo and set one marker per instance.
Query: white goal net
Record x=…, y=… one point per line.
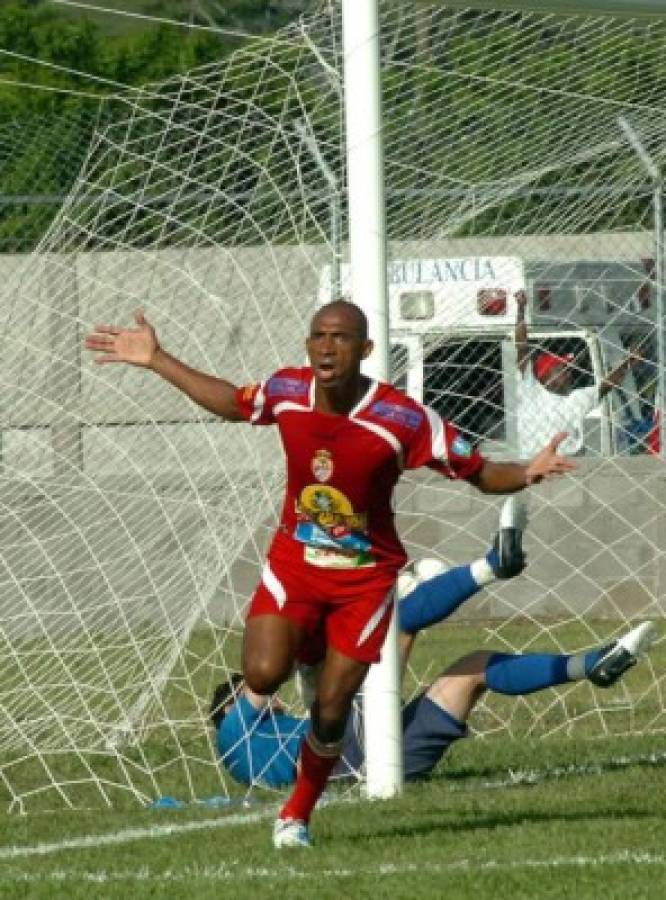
x=133, y=525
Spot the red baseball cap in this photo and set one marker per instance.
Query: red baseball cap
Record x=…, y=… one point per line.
x=546, y=362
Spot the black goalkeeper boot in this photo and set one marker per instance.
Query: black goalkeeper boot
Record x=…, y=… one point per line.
x=508, y=543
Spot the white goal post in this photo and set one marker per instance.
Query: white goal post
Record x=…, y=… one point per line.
x=367, y=257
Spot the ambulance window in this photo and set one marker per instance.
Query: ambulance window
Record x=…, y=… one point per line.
x=581, y=365
x=463, y=381
x=399, y=366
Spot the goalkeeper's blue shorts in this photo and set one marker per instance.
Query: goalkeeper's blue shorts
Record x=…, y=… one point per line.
x=428, y=732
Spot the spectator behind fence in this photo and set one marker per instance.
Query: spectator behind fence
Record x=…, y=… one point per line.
x=547, y=403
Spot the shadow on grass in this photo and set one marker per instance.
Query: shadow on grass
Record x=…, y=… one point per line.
x=522, y=771
x=472, y=823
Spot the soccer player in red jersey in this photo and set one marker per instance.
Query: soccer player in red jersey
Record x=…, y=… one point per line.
x=336, y=554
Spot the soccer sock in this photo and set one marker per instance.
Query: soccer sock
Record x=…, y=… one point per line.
x=528, y=672
x=484, y=570
x=316, y=764
x=436, y=598
x=579, y=664
x=524, y=673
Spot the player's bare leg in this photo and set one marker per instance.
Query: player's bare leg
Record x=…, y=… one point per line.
x=270, y=645
x=340, y=680
x=459, y=688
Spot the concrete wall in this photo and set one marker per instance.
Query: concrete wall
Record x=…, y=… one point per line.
x=595, y=541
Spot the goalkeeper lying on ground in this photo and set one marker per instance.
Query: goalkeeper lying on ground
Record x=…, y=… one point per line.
x=259, y=743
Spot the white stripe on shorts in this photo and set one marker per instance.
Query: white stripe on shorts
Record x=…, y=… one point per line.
x=274, y=585
x=375, y=619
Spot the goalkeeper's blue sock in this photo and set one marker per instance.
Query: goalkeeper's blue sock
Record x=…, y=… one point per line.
x=436, y=598
x=525, y=673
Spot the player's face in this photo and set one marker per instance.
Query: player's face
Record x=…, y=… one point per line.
x=336, y=347
x=559, y=379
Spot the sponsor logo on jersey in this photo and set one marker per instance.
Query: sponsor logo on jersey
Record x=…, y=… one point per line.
x=332, y=559
x=400, y=415
x=326, y=521
x=322, y=465
x=287, y=387
x=461, y=447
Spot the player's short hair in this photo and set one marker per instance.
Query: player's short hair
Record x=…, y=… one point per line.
x=225, y=693
x=353, y=308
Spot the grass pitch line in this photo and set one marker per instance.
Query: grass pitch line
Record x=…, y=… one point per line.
x=234, y=871
x=154, y=832
x=94, y=841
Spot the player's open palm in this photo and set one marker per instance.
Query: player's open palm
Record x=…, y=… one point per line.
x=136, y=346
x=548, y=462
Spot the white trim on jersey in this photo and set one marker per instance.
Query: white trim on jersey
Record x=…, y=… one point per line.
x=289, y=405
x=365, y=399
x=259, y=402
x=273, y=585
x=438, y=433
x=385, y=434
x=375, y=619
x=311, y=392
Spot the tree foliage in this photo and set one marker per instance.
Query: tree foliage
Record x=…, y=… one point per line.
x=435, y=92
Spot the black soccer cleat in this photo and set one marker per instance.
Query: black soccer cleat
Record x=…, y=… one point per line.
x=614, y=662
x=621, y=655
x=508, y=543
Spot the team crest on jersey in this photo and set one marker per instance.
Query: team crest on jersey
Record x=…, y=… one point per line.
x=322, y=465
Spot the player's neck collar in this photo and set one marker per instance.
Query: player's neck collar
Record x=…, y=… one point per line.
x=362, y=403
x=365, y=399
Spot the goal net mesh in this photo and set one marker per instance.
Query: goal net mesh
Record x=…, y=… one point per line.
x=133, y=524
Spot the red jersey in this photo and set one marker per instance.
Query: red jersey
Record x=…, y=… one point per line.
x=341, y=469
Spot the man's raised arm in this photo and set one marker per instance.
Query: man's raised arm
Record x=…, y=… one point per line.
x=616, y=377
x=139, y=347
x=522, y=350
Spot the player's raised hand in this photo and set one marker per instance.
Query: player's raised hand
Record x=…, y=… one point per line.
x=548, y=462
x=136, y=346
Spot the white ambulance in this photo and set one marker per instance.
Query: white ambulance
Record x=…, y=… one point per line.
x=452, y=323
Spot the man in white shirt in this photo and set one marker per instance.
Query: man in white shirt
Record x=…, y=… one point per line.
x=546, y=402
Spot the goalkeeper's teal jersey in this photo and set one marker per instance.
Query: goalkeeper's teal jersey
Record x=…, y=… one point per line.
x=260, y=746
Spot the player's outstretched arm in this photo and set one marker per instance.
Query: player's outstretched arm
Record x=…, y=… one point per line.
x=506, y=477
x=140, y=347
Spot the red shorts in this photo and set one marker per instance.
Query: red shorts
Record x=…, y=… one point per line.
x=349, y=610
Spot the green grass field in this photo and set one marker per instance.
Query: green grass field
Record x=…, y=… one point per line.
x=594, y=831
x=580, y=812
